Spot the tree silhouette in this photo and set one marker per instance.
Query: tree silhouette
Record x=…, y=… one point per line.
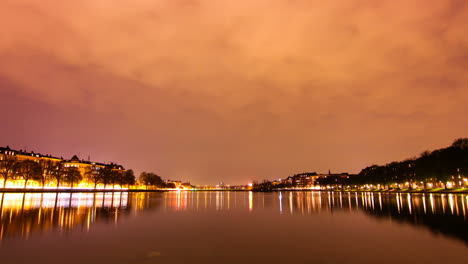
x=58, y=172
x=8, y=167
x=48, y=167
x=170, y=185
x=93, y=174
x=29, y=170
x=106, y=175
x=461, y=143
x=128, y=178
x=442, y=165
x=151, y=179
x=116, y=177
x=72, y=175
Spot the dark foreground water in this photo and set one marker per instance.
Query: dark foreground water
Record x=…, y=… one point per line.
x=234, y=227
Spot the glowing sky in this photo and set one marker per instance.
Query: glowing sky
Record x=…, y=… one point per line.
x=222, y=90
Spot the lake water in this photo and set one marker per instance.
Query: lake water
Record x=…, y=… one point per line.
x=233, y=227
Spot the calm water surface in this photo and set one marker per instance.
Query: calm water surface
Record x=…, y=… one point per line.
x=221, y=227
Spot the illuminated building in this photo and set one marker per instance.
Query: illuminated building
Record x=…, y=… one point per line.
x=82, y=166
x=302, y=180
x=308, y=179
x=21, y=155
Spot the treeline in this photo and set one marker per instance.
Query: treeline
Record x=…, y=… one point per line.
x=447, y=167
x=442, y=168
x=152, y=180
x=46, y=171
x=267, y=186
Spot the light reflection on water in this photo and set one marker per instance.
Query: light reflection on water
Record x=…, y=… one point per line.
x=318, y=202
x=24, y=214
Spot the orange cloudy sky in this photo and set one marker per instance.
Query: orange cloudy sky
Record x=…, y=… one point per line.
x=234, y=91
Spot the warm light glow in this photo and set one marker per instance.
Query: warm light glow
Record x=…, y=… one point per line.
x=83, y=185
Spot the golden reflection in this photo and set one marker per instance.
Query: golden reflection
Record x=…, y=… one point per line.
x=451, y=203
x=357, y=200
x=380, y=201
x=433, y=205
x=24, y=213
x=463, y=205
x=312, y=202
x=280, y=197
x=409, y=200
x=291, y=202
x=363, y=200
x=424, y=203
x=398, y=201
x=443, y=202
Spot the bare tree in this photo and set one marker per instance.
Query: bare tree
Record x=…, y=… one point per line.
x=48, y=167
x=116, y=177
x=72, y=175
x=93, y=174
x=128, y=178
x=106, y=176
x=28, y=170
x=8, y=167
x=58, y=172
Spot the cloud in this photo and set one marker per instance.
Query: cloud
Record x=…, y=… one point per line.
x=251, y=88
